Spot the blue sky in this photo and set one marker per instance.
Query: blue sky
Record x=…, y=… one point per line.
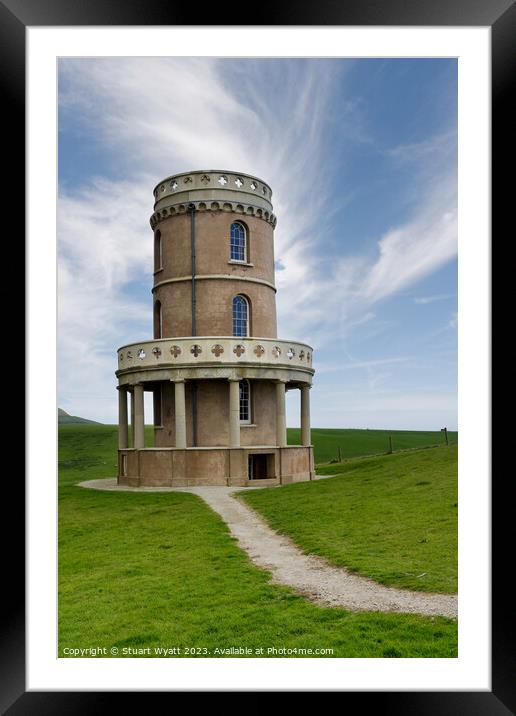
x=361, y=155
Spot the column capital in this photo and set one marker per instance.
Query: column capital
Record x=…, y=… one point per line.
x=234, y=380
x=178, y=380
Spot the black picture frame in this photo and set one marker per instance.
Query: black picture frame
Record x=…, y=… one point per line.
x=15, y=17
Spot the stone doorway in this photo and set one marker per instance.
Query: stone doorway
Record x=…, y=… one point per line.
x=259, y=466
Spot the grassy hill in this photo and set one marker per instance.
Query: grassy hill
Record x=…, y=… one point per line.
x=354, y=443
x=389, y=517
x=63, y=418
x=326, y=441
x=144, y=570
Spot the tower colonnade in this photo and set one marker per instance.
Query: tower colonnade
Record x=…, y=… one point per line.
x=217, y=370
x=135, y=393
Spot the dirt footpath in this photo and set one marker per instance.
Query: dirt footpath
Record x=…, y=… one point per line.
x=308, y=575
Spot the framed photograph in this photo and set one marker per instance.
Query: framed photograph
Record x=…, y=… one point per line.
x=318, y=190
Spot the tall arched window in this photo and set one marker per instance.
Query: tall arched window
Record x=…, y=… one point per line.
x=238, y=242
x=158, y=320
x=245, y=401
x=240, y=316
x=158, y=251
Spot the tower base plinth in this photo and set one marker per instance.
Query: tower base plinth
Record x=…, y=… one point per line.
x=212, y=466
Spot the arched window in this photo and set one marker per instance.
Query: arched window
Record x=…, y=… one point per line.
x=240, y=316
x=238, y=242
x=158, y=320
x=158, y=251
x=245, y=401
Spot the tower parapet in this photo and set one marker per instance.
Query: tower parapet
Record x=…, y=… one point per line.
x=213, y=190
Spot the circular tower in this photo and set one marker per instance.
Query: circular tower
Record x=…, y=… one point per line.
x=216, y=368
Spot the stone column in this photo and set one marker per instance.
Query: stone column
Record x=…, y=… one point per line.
x=139, y=418
x=131, y=393
x=180, y=410
x=305, y=415
x=234, y=412
x=123, y=431
x=281, y=424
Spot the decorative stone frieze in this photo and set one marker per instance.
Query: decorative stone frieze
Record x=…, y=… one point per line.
x=180, y=352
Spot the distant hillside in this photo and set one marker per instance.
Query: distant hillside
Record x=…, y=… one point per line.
x=63, y=417
x=343, y=443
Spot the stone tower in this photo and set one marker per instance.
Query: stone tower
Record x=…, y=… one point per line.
x=217, y=370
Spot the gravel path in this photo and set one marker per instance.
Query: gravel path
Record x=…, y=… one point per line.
x=308, y=575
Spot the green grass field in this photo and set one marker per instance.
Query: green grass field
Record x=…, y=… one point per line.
x=140, y=571
x=391, y=517
x=354, y=443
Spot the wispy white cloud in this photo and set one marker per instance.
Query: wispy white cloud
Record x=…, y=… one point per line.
x=434, y=148
x=331, y=301
x=423, y=300
x=409, y=252
x=102, y=251
x=152, y=117
x=354, y=365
